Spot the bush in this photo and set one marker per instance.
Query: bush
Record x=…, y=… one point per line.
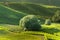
x=48, y=22
x=30, y=22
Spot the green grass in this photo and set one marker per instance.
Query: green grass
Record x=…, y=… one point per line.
x=9, y=16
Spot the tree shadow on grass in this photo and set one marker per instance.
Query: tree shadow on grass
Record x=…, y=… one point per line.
x=51, y=30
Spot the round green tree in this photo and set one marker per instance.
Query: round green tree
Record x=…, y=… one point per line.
x=30, y=22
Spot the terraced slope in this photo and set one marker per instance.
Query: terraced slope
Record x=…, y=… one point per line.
x=9, y=16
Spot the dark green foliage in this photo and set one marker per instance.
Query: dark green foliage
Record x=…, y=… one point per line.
x=48, y=22
x=56, y=17
x=30, y=22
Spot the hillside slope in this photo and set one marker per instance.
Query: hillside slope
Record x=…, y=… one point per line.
x=32, y=9
x=8, y=16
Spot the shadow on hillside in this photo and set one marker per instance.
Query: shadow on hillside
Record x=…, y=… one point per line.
x=51, y=31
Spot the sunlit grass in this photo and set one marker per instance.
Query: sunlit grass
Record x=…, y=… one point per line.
x=10, y=16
